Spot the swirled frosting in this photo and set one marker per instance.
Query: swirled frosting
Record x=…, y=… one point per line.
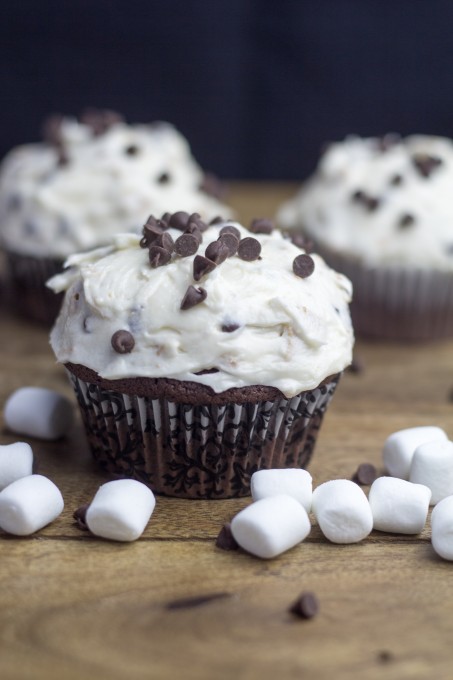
x=59, y=199
x=381, y=201
x=270, y=321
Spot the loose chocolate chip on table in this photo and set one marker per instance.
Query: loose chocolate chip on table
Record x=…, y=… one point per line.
x=80, y=517
x=406, y=220
x=188, y=602
x=303, y=266
x=230, y=327
x=365, y=474
x=230, y=229
x=201, y=266
x=163, y=178
x=261, y=225
x=356, y=366
x=123, y=342
x=306, y=606
x=426, y=164
x=231, y=241
x=158, y=256
x=186, y=244
x=249, y=249
x=131, y=150
x=192, y=297
x=217, y=251
x=179, y=220
x=225, y=540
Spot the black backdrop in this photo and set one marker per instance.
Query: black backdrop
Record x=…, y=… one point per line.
x=256, y=85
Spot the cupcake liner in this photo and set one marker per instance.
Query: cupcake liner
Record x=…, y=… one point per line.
x=27, y=294
x=199, y=451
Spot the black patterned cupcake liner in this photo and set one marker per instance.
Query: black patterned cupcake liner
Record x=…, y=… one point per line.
x=199, y=451
x=25, y=280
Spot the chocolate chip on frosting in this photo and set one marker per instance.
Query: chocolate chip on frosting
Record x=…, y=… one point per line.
x=212, y=186
x=179, y=220
x=425, y=164
x=217, y=220
x=164, y=240
x=303, y=266
x=406, y=220
x=100, y=120
x=193, y=228
x=195, y=220
x=217, y=251
x=301, y=241
x=229, y=327
x=396, y=180
x=261, y=225
x=192, y=297
x=166, y=218
x=123, y=342
x=230, y=229
x=231, y=241
x=202, y=266
x=132, y=150
x=369, y=202
x=249, y=249
x=163, y=178
x=186, y=244
x=158, y=256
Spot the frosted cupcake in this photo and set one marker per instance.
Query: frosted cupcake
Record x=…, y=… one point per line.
x=200, y=354
x=89, y=179
x=380, y=211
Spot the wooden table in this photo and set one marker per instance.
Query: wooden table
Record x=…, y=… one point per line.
x=73, y=606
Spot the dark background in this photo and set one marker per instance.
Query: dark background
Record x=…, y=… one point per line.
x=257, y=86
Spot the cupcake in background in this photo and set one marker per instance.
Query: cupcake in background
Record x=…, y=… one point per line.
x=88, y=179
x=200, y=354
x=380, y=211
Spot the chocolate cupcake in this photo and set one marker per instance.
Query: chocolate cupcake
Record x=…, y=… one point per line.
x=87, y=180
x=202, y=354
x=379, y=210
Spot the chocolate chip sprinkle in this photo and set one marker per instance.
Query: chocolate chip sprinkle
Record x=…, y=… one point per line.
x=406, y=220
x=231, y=241
x=179, y=220
x=217, y=251
x=192, y=297
x=261, y=225
x=80, y=517
x=303, y=266
x=100, y=120
x=396, y=180
x=225, y=540
x=425, y=164
x=132, y=150
x=249, y=249
x=217, y=220
x=164, y=240
x=164, y=178
x=369, y=202
x=186, y=244
x=212, y=186
x=123, y=342
x=229, y=327
x=301, y=241
x=166, y=218
x=202, y=266
x=158, y=256
x=230, y=229
x=365, y=474
x=306, y=606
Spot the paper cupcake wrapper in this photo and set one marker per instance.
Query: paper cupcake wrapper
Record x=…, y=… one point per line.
x=27, y=294
x=199, y=451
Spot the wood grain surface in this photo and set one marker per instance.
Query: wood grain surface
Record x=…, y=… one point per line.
x=73, y=606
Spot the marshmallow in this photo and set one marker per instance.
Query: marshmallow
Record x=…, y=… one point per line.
x=120, y=510
x=400, y=446
x=398, y=506
x=442, y=528
x=290, y=482
x=342, y=511
x=38, y=412
x=432, y=465
x=270, y=526
x=16, y=461
x=28, y=504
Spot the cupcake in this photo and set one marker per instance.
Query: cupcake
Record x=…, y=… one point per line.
x=380, y=211
x=200, y=354
x=87, y=180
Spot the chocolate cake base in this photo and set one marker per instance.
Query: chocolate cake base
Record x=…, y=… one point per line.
x=184, y=440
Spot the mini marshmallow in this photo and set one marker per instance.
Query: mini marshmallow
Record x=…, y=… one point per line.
x=38, y=412
x=342, y=511
x=442, y=528
x=432, y=465
x=400, y=446
x=398, y=506
x=16, y=461
x=28, y=504
x=271, y=526
x=290, y=482
x=120, y=510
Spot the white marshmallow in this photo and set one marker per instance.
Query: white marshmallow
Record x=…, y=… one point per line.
x=16, y=461
x=28, y=504
x=398, y=506
x=270, y=526
x=442, y=528
x=38, y=412
x=120, y=510
x=290, y=482
x=400, y=446
x=342, y=511
x=432, y=465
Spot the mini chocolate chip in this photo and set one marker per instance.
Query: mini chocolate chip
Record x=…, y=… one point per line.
x=163, y=178
x=166, y=218
x=186, y=244
x=369, y=202
x=201, y=266
x=212, y=186
x=196, y=220
x=80, y=517
x=207, y=371
x=301, y=241
x=217, y=220
x=164, y=240
x=193, y=228
x=151, y=231
x=217, y=251
x=396, y=180
x=303, y=266
x=356, y=366
x=365, y=474
x=406, y=220
x=426, y=164
x=158, y=256
x=77, y=296
x=189, y=602
x=231, y=241
x=387, y=141
x=192, y=297
x=229, y=327
x=225, y=540
x=261, y=225
x=306, y=606
x=123, y=342
x=249, y=249
x=230, y=229
x=131, y=150
x=100, y=120
x=179, y=220
x=384, y=656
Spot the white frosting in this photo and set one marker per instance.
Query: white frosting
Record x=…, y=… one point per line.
x=325, y=210
x=53, y=210
x=292, y=333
